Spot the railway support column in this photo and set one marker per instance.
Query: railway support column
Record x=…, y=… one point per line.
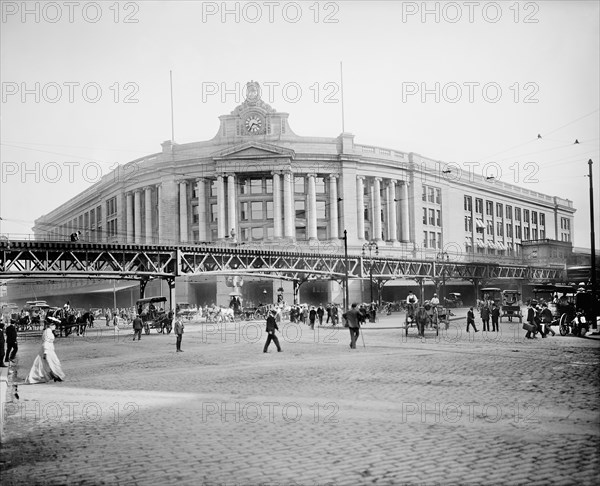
x=172, y=302
x=143, y=284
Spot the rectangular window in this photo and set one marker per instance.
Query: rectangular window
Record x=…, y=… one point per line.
x=321, y=205
x=300, y=233
x=499, y=210
x=438, y=218
x=526, y=234
x=320, y=185
x=438, y=196
x=213, y=188
x=508, y=212
x=93, y=218
x=195, y=217
x=431, y=217
x=439, y=240
x=499, y=229
x=111, y=206
x=534, y=233
x=526, y=215
x=430, y=194
x=517, y=214
x=518, y=232
x=534, y=218
x=256, y=187
x=509, y=231
x=468, y=203
x=424, y=193
x=300, y=209
x=99, y=215
x=257, y=233
x=424, y=215
x=542, y=219
x=214, y=213
x=542, y=234
x=479, y=206
x=269, y=209
x=244, y=186
x=424, y=239
x=299, y=185
x=432, y=243
x=256, y=211
x=366, y=213
x=489, y=208
x=244, y=211
x=468, y=224
x=269, y=186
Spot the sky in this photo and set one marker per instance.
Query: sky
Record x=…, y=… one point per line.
x=86, y=86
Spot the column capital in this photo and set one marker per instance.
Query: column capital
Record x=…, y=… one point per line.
x=333, y=176
x=361, y=177
x=311, y=174
x=379, y=179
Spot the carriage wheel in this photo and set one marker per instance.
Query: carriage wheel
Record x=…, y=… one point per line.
x=563, y=327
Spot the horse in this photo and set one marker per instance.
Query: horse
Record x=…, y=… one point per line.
x=422, y=319
x=82, y=322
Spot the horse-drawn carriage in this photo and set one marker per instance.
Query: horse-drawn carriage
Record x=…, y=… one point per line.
x=453, y=300
x=69, y=321
x=153, y=315
x=427, y=316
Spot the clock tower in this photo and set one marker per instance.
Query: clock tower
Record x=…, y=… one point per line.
x=254, y=118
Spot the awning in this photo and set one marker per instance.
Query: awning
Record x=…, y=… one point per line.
x=479, y=223
x=490, y=244
x=501, y=246
x=469, y=240
x=480, y=244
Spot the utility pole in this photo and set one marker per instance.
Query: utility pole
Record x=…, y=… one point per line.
x=346, y=303
x=593, y=250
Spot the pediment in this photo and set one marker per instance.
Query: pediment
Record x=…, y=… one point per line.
x=254, y=150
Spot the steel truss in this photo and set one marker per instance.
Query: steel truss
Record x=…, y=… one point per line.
x=23, y=259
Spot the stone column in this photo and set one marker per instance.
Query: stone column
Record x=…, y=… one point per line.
x=393, y=231
x=333, y=208
x=221, y=227
x=231, y=205
x=376, y=188
x=183, y=212
x=201, y=192
x=311, y=222
x=129, y=235
x=288, y=205
x=148, y=211
x=360, y=203
x=404, y=215
x=276, y=205
x=137, y=207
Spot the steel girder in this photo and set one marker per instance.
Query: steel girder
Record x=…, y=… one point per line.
x=52, y=259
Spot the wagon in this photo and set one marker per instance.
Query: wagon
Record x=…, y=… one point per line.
x=423, y=318
x=511, y=305
x=151, y=311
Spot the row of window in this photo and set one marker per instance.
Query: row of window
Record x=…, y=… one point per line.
x=502, y=210
x=432, y=240
x=432, y=217
x=264, y=185
x=432, y=194
x=499, y=229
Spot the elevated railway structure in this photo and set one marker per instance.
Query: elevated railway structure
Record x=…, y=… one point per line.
x=40, y=259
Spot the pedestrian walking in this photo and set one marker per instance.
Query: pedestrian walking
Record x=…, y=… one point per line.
x=471, y=319
x=485, y=317
x=271, y=328
x=46, y=365
x=495, y=317
x=334, y=315
x=11, y=342
x=312, y=315
x=137, y=328
x=320, y=314
x=179, y=332
x=531, y=327
x=353, y=325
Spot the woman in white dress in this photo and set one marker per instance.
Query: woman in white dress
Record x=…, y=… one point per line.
x=46, y=366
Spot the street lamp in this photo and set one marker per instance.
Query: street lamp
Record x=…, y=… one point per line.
x=443, y=257
x=370, y=246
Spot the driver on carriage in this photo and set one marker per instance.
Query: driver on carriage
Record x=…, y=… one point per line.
x=412, y=303
x=434, y=300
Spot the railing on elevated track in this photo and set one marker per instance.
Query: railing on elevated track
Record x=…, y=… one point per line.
x=34, y=258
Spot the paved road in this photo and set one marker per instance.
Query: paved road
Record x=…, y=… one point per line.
x=477, y=408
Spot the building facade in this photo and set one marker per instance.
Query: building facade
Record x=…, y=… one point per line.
x=257, y=182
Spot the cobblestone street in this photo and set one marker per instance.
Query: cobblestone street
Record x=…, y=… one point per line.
x=475, y=408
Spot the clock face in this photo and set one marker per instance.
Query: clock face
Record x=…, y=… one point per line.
x=253, y=124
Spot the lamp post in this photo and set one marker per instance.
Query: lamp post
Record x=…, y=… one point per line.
x=370, y=246
x=346, y=303
x=593, y=249
x=443, y=258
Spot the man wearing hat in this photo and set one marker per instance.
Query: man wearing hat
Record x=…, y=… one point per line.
x=271, y=328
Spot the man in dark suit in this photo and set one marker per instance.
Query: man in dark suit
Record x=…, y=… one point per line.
x=495, y=317
x=530, y=321
x=137, y=327
x=11, y=342
x=471, y=320
x=353, y=325
x=485, y=317
x=271, y=328
x=2, y=365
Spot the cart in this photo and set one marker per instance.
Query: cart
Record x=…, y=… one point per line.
x=422, y=318
x=151, y=311
x=511, y=306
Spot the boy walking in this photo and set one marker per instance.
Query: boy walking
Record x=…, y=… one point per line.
x=179, y=332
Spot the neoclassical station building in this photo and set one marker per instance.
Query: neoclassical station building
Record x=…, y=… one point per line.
x=258, y=183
